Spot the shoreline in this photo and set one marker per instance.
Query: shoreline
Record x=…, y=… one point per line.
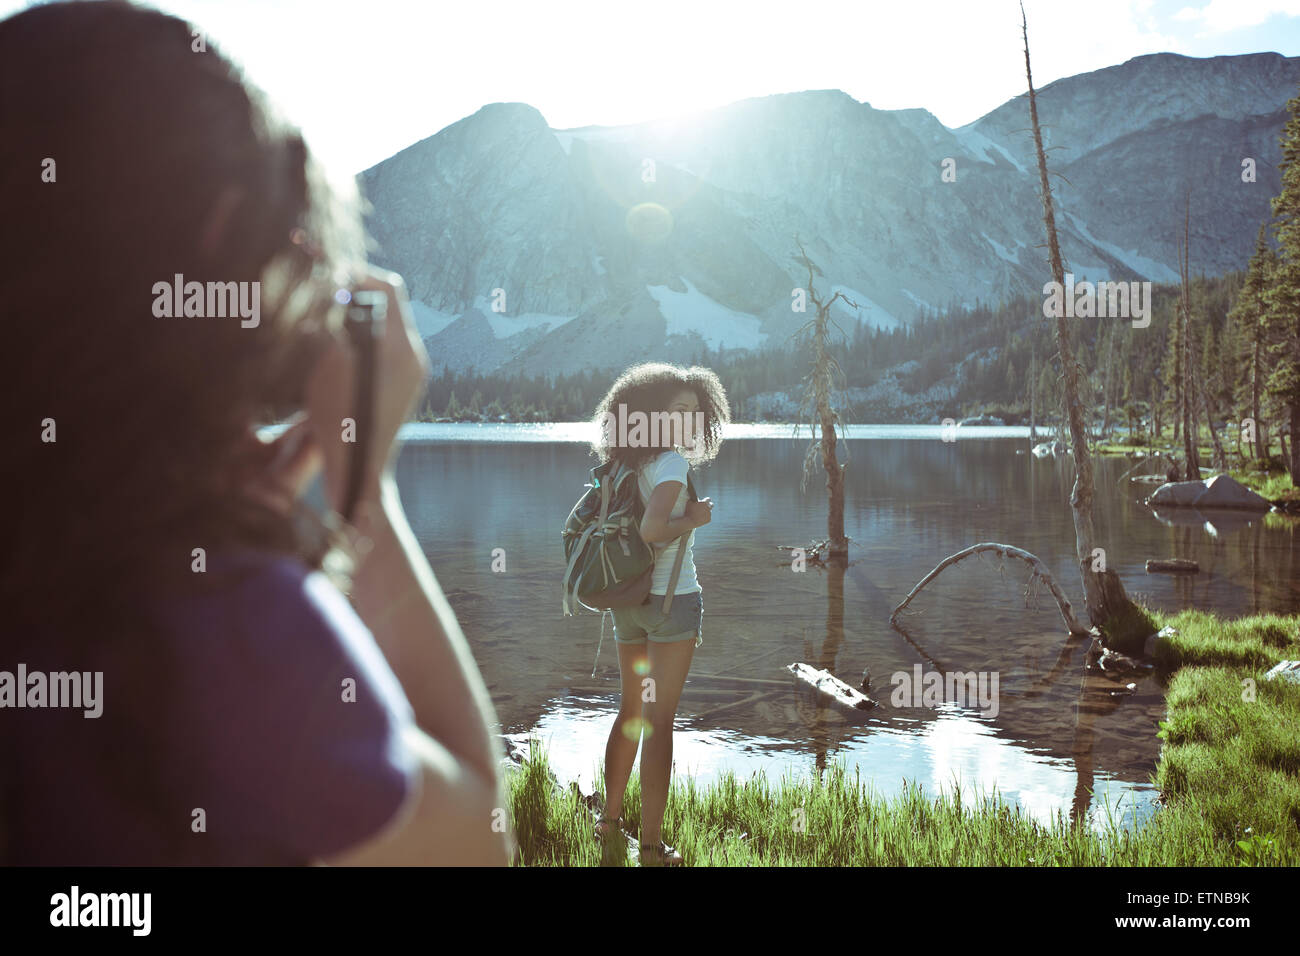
x=1228, y=775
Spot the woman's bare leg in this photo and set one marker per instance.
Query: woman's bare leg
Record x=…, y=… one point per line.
x=625, y=735
x=669, y=664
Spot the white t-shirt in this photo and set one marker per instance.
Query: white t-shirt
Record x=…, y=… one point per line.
x=670, y=466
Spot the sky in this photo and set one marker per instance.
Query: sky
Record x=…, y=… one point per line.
x=367, y=79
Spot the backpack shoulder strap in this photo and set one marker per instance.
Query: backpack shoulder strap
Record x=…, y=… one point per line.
x=681, y=551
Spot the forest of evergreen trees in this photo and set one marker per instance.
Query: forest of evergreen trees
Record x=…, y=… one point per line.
x=1014, y=344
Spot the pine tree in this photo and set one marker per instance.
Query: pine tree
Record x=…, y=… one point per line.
x=1282, y=298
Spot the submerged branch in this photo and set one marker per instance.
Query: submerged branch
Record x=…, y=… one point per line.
x=1036, y=566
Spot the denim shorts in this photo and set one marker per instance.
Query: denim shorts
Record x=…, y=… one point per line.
x=636, y=625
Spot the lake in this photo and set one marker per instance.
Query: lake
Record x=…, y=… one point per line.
x=1060, y=732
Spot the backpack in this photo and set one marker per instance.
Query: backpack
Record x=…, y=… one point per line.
x=609, y=564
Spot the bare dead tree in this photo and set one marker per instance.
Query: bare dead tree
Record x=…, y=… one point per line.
x=1114, y=618
x=1108, y=605
x=818, y=406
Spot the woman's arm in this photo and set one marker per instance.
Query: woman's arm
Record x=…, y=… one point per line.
x=396, y=594
x=656, y=525
x=431, y=829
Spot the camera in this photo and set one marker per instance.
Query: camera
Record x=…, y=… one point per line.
x=365, y=315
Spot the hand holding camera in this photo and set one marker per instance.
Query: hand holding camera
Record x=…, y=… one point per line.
x=362, y=390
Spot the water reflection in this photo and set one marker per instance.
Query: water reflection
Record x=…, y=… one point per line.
x=1061, y=730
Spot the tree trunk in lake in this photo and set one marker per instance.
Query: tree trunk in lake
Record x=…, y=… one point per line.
x=824, y=366
x=834, y=476
x=1108, y=605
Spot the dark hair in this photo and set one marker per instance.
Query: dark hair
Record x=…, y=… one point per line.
x=647, y=388
x=146, y=136
x=136, y=151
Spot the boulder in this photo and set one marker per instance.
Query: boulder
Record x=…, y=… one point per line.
x=1220, y=491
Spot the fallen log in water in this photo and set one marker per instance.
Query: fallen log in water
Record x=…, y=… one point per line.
x=1172, y=565
x=1005, y=550
x=827, y=684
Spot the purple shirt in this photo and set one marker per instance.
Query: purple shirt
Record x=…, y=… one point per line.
x=269, y=707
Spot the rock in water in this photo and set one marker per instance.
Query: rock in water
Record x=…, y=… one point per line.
x=1220, y=491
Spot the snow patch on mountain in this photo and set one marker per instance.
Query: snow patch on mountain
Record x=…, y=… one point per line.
x=1088, y=273
x=1155, y=271
x=430, y=321
x=694, y=312
x=921, y=303
x=868, y=310
x=504, y=326
x=979, y=144
x=1000, y=249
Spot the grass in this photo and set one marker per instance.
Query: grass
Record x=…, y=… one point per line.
x=1229, y=776
x=1230, y=743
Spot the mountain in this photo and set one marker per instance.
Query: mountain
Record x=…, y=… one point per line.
x=533, y=250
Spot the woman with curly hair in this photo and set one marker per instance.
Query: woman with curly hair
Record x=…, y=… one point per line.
x=686, y=409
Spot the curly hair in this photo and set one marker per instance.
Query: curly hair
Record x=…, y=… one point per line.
x=647, y=389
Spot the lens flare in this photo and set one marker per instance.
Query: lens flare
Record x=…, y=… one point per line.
x=633, y=729
x=649, y=222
